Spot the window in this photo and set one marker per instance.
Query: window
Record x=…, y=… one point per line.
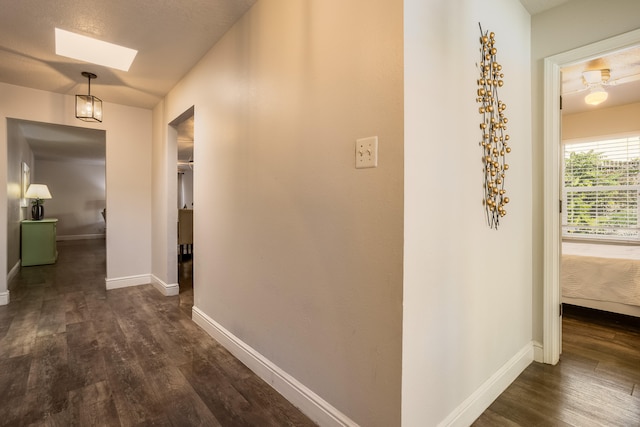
x=601, y=183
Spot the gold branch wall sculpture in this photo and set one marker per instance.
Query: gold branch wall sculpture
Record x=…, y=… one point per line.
x=495, y=140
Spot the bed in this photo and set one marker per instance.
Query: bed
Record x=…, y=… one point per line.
x=604, y=277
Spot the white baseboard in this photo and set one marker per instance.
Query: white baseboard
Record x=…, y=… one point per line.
x=125, y=282
x=165, y=289
x=13, y=272
x=4, y=298
x=465, y=414
x=80, y=237
x=293, y=390
x=538, y=352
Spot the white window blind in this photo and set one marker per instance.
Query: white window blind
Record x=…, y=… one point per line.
x=601, y=184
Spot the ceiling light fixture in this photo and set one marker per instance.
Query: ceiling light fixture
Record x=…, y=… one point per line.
x=596, y=95
x=87, y=49
x=88, y=107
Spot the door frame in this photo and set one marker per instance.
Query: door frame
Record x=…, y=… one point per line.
x=552, y=294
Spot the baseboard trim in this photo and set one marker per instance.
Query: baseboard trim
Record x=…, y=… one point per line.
x=13, y=272
x=80, y=237
x=465, y=414
x=125, y=282
x=4, y=298
x=538, y=352
x=165, y=289
x=293, y=390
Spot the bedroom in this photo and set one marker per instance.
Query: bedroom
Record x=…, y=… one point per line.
x=600, y=154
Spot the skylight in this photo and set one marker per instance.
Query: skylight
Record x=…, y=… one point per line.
x=94, y=51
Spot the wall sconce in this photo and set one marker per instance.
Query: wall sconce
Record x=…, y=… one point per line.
x=39, y=192
x=89, y=108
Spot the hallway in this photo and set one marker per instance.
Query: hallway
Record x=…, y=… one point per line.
x=72, y=353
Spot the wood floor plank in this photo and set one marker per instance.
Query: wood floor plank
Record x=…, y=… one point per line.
x=14, y=373
x=86, y=360
x=93, y=405
x=76, y=310
x=18, y=341
x=52, y=318
x=173, y=390
x=49, y=374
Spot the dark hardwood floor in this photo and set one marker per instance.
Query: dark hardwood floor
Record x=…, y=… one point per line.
x=73, y=354
x=596, y=382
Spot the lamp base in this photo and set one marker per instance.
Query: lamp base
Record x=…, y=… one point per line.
x=37, y=212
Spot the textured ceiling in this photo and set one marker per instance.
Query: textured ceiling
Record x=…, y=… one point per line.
x=170, y=36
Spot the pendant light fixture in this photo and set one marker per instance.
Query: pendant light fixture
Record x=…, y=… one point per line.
x=88, y=107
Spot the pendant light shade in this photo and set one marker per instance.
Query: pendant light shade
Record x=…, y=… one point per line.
x=88, y=107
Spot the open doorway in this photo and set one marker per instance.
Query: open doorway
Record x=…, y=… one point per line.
x=600, y=160
x=71, y=162
x=571, y=61
x=184, y=126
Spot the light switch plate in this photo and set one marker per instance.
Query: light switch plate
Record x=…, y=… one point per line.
x=367, y=152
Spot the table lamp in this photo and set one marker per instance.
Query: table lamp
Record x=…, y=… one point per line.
x=39, y=192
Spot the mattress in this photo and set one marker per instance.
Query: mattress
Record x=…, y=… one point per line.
x=604, y=279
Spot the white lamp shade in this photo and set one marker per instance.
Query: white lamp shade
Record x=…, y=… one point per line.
x=596, y=96
x=37, y=191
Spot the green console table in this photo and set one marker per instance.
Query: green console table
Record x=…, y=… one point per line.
x=39, y=242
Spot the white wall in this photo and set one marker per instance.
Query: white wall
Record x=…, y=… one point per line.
x=77, y=196
x=165, y=216
x=603, y=122
x=128, y=174
x=572, y=25
x=297, y=253
x=17, y=153
x=467, y=288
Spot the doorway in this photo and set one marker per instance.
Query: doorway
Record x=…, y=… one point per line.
x=552, y=295
x=71, y=162
x=184, y=127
